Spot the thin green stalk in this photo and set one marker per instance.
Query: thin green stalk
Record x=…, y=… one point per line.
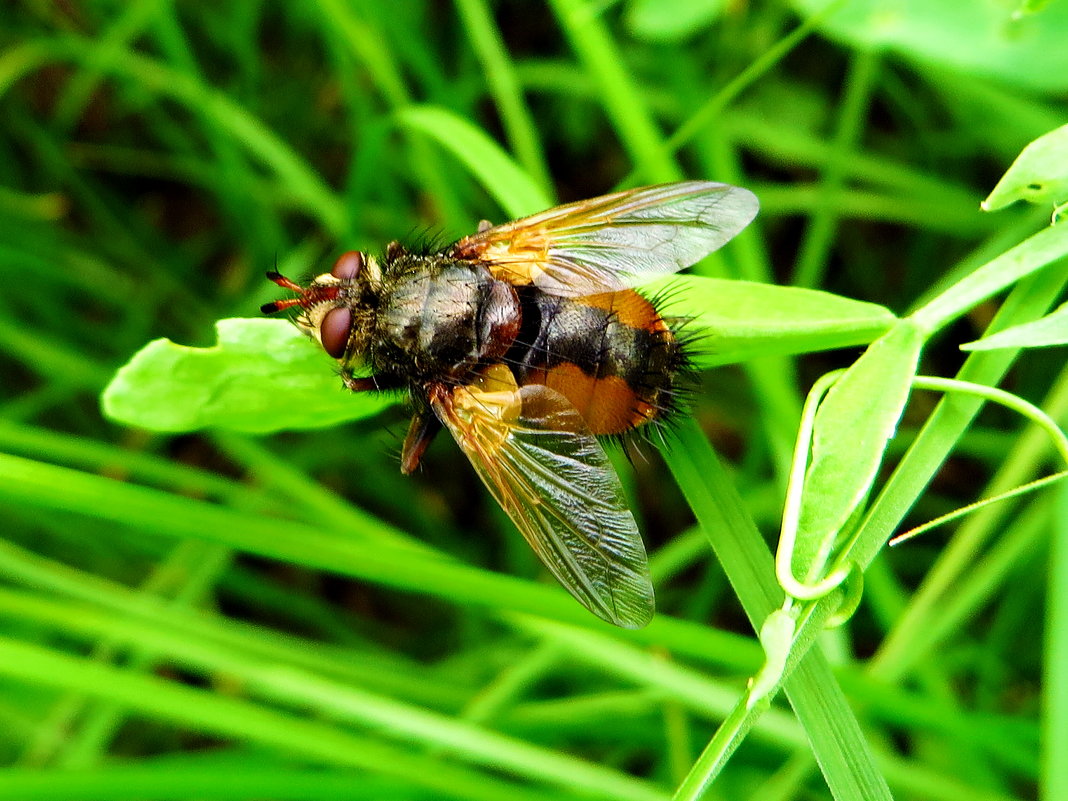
x=706, y=698
x=1054, y=775
x=774, y=379
x=623, y=102
x=759, y=68
x=320, y=502
x=512, y=682
x=677, y=555
x=1030, y=256
x=35, y=206
x=853, y=203
x=1009, y=233
x=93, y=455
x=122, y=237
x=779, y=141
x=785, y=784
x=982, y=581
x=31, y=405
x=692, y=689
x=678, y=741
x=549, y=716
x=51, y=359
x=231, y=171
x=888, y=598
x=908, y=642
x=507, y=94
x=729, y=735
x=819, y=236
x=367, y=48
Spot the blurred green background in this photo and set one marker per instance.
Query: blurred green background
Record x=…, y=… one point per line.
x=208, y=615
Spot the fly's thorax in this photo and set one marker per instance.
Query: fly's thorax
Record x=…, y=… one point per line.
x=439, y=317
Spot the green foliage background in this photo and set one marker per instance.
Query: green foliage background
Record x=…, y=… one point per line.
x=214, y=615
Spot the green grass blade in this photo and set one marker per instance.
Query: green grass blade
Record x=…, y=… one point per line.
x=1054, y=782
x=625, y=105
x=514, y=189
x=207, y=712
x=830, y=724
x=501, y=77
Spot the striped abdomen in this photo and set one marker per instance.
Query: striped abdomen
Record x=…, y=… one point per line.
x=612, y=355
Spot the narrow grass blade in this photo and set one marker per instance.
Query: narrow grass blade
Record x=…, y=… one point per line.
x=516, y=192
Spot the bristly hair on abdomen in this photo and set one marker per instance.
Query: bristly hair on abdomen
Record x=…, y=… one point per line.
x=691, y=342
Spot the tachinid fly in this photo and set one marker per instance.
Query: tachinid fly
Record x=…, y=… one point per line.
x=527, y=342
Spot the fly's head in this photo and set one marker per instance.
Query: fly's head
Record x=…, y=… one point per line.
x=336, y=309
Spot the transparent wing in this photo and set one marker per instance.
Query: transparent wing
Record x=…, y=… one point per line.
x=550, y=474
x=613, y=241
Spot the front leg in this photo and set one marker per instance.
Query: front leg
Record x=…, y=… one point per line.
x=425, y=426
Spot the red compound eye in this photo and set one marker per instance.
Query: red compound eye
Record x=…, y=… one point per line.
x=348, y=266
x=334, y=332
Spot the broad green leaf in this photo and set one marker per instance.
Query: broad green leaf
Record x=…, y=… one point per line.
x=979, y=38
x=263, y=375
x=744, y=319
x=516, y=192
x=1045, y=332
x=671, y=20
x=1039, y=174
x=852, y=426
x=1030, y=7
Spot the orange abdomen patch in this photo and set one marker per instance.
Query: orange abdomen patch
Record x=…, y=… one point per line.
x=609, y=405
x=628, y=308
x=612, y=355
